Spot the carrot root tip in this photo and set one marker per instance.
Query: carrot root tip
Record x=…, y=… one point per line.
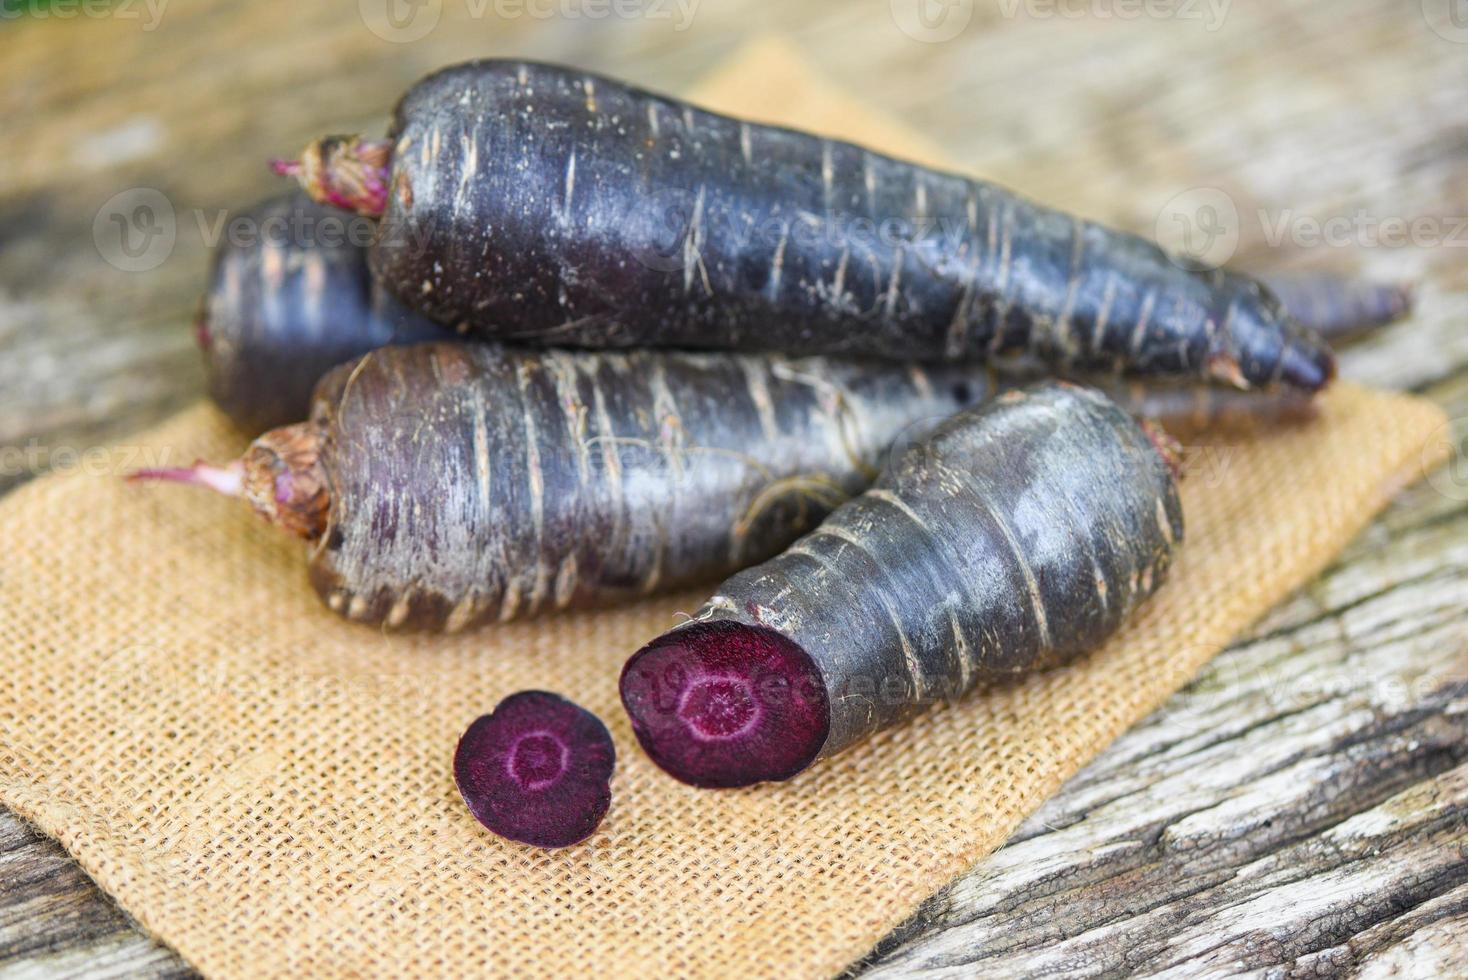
x=228, y=480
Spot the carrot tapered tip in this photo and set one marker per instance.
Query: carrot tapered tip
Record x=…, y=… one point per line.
x=1309, y=368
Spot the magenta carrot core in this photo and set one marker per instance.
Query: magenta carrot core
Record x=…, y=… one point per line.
x=718, y=708
x=537, y=770
x=726, y=704
x=538, y=760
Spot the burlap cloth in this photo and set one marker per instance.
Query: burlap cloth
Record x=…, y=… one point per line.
x=268, y=789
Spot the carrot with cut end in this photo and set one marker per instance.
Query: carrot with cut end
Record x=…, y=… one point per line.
x=534, y=203
x=1018, y=535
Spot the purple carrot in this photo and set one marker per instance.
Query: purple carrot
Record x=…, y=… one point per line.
x=534, y=203
x=444, y=486
x=537, y=770
x=297, y=300
x=1018, y=535
x=287, y=305
x=1340, y=308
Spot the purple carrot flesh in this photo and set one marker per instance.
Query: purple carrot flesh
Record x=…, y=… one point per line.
x=1018, y=535
x=533, y=203
x=537, y=770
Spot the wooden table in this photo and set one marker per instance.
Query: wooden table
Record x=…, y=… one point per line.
x=1303, y=807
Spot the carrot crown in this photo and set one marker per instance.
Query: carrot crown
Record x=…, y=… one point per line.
x=343, y=171
x=280, y=476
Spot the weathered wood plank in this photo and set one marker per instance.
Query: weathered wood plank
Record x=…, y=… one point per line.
x=54, y=922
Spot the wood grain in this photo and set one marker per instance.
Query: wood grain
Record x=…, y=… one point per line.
x=1301, y=808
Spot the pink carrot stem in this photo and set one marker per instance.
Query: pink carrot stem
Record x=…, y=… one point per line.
x=228, y=480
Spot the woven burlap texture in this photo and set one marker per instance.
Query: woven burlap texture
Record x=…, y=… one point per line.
x=268, y=789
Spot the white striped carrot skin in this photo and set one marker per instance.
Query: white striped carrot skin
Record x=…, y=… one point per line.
x=287, y=303
x=449, y=485
x=1017, y=536
x=535, y=203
